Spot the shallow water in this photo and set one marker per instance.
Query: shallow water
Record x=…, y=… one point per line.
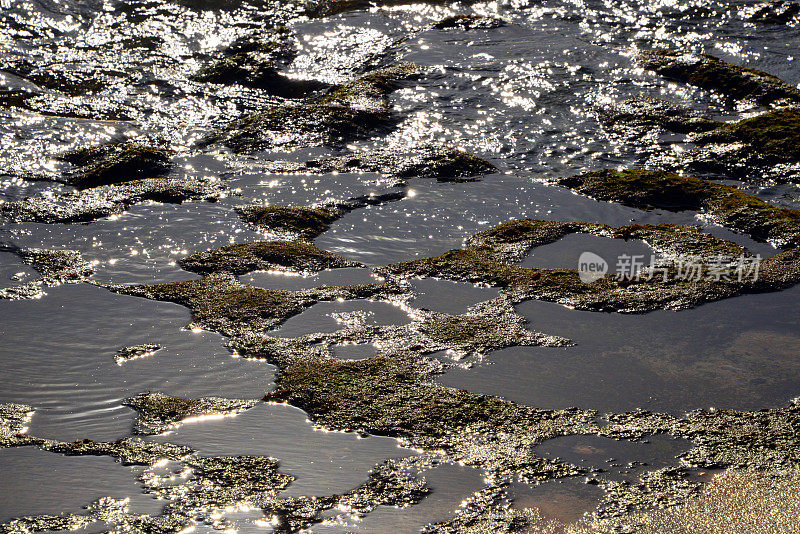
x=522, y=96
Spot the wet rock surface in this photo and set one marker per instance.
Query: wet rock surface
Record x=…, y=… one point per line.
x=754, y=149
x=647, y=112
x=116, y=163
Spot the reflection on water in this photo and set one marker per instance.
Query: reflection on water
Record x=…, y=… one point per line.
x=738, y=353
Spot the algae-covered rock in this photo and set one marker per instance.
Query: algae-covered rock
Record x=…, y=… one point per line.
x=647, y=112
x=98, y=202
x=719, y=269
x=219, y=302
x=305, y=222
x=442, y=162
x=128, y=451
x=386, y=486
x=55, y=266
x=134, y=352
x=469, y=22
x=264, y=256
x=116, y=163
x=357, y=110
x=712, y=73
x=767, y=144
x=489, y=326
x=391, y=396
x=301, y=222
x=159, y=412
x=663, y=190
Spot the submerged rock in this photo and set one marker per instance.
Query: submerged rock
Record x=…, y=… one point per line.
x=647, y=112
x=774, y=11
x=299, y=222
x=469, y=22
x=116, y=163
x=219, y=302
x=712, y=73
x=767, y=144
x=265, y=256
x=98, y=202
x=134, y=352
x=56, y=267
x=255, y=61
x=357, y=110
x=445, y=163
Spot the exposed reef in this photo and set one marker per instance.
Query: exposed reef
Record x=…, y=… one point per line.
x=55, y=266
x=159, y=412
x=243, y=258
x=764, y=146
x=664, y=190
x=490, y=326
x=709, y=72
x=219, y=302
x=308, y=222
x=357, y=110
x=99, y=202
x=134, y=352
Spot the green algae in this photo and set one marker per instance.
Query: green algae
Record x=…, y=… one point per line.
x=489, y=254
x=243, y=258
x=709, y=72
x=391, y=396
x=663, y=190
x=98, y=202
x=760, y=148
x=159, y=412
